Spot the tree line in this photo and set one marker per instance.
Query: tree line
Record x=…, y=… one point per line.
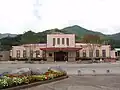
x=41, y=37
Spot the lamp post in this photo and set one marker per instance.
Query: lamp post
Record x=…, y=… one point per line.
x=29, y=52
x=29, y=58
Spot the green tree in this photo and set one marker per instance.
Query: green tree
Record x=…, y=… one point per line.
x=30, y=37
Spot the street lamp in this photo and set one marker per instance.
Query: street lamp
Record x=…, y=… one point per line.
x=29, y=52
x=29, y=58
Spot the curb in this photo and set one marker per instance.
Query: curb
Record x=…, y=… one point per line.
x=97, y=74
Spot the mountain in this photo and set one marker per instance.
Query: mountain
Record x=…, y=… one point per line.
x=114, y=36
x=9, y=40
x=7, y=35
x=80, y=31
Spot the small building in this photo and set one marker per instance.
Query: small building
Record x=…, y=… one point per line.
x=117, y=53
x=23, y=52
x=4, y=55
x=96, y=51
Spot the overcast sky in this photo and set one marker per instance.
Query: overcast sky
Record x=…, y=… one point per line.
x=17, y=16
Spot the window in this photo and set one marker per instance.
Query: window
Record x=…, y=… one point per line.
x=50, y=54
x=24, y=53
x=58, y=40
x=63, y=41
x=104, y=53
x=31, y=53
x=116, y=54
x=84, y=53
x=67, y=41
x=91, y=53
x=97, y=53
x=53, y=41
x=37, y=53
x=18, y=54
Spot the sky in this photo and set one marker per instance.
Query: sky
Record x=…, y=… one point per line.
x=19, y=16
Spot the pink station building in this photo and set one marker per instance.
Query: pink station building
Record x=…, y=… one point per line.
x=61, y=47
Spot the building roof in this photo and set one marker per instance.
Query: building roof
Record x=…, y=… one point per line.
x=60, y=49
x=59, y=34
x=117, y=49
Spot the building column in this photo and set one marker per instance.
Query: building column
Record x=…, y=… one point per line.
x=72, y=56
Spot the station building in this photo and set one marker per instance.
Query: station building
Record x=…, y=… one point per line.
x=60, y=47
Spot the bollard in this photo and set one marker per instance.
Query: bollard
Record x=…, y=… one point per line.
x=48, y=68
x=79, y=73
x=42, y=62
x=108, y=71
x=94, y=72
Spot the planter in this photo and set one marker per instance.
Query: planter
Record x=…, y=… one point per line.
x=36, y=83
x=25, y=77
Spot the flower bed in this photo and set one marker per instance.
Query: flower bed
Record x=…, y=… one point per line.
x=9, y=80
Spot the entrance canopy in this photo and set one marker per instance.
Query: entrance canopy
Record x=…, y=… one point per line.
x=60, y=49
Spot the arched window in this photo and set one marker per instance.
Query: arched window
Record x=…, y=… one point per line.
x=91, y=53
x=31, y=53
x=104, y=53
x=24, y=54
x=18, y=54
x=97, y=53
x=84, y=53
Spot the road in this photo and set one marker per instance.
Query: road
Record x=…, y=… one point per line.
x=70, y=68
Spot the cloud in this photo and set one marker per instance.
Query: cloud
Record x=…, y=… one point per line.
x=18, y=16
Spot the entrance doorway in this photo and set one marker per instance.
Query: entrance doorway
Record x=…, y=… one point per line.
x=60, y=56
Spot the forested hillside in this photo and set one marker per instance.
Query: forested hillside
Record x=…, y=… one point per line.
x=40, y=37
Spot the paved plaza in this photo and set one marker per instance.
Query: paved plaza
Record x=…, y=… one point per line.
x=75, y=82
x=82, y=83
x=72, y=69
